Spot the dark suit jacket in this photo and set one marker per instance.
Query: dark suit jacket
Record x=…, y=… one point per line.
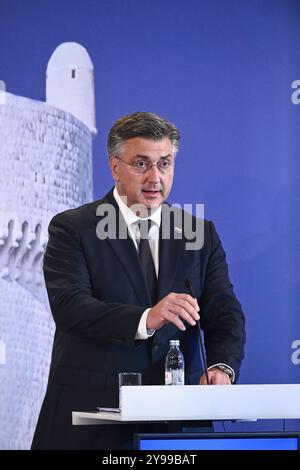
x=97, y=294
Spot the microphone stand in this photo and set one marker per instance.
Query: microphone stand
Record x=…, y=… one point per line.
x=189, y=286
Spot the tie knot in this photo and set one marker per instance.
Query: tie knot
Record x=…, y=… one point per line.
x=144, y=226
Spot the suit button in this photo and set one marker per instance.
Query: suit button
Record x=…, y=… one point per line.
x=155, y=347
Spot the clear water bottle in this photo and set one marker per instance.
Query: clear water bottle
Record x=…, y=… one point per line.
x=174, y=370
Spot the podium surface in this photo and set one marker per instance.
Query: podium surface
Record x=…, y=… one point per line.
x=194, y=402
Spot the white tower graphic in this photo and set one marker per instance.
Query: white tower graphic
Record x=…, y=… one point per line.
x=70, y=82
x=45, y=168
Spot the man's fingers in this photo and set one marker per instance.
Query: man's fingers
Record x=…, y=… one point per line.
x=188, y=308
x=174, y=308
x=218, y=379
x=191, y=300
x=177, y=322
x=215, y=378
x=187, y=302
x=203, y=380
x=180, y=312
x=183, y=308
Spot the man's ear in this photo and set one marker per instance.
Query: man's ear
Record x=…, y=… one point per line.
x=114, y=167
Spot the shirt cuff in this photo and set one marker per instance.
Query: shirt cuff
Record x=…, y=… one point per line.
x=142, y=332
x=232, y=378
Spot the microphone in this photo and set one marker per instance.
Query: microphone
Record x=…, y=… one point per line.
x=188, y=284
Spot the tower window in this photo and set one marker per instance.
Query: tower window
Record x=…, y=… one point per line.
x=73, y=73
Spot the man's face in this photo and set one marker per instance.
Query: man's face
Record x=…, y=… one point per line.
x=152, y=187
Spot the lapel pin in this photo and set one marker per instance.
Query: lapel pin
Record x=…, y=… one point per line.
x=178, y=229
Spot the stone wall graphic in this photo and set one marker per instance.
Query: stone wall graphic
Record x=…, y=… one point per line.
x=45, y=168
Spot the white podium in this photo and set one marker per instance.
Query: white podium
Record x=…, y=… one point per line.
x=194, y=402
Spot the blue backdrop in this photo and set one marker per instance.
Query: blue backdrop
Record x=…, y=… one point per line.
x=223, y=72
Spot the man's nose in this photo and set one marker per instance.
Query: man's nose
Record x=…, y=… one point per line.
x=153, y=174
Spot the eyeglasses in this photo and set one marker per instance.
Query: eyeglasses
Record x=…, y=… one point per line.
x=142, y=166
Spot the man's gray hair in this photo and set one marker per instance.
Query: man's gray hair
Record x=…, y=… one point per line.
x=141, y=124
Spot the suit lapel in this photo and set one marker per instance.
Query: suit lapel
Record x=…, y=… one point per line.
x=127, y=254
x=170, y=248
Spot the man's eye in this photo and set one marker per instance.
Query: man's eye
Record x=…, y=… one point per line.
x=141, y=164
x=164, y=164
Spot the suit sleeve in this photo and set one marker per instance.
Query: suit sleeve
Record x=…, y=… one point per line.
x=222, y=318
x=74, y=309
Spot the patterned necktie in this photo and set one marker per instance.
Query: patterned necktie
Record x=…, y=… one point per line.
x=146, y=259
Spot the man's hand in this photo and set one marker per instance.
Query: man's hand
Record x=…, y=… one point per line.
x=216, y=376
x=173, y=309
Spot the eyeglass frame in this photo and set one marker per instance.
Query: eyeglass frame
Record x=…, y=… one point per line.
x=148, y=165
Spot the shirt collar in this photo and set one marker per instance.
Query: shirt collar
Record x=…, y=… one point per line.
x=130, y=217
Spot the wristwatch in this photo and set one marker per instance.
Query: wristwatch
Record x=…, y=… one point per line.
x=226, y=370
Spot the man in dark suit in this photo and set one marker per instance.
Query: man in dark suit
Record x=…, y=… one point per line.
x=117, y=290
